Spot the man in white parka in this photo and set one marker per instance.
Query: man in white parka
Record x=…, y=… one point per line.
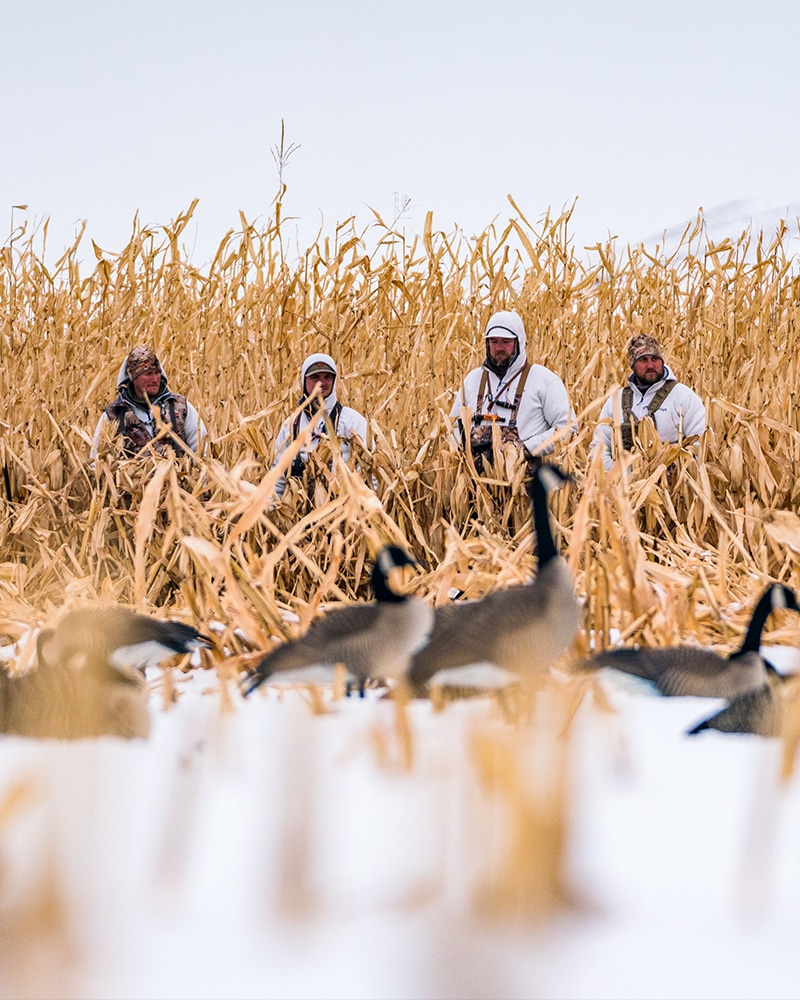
x=651, y=391
x=528, y=401
x=323, y=412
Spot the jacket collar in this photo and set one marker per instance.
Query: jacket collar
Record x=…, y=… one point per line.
x=126, y=393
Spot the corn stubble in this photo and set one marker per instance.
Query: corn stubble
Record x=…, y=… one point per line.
x=674, y=552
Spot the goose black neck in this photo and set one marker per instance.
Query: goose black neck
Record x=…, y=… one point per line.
x=762, y=611
x=545, y=546
x=380, y=586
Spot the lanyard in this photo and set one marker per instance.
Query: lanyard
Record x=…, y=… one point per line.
x=500, y=389
x=482, y=390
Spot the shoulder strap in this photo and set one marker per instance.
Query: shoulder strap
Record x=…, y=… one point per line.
x=296, y=422
x=332, y=418
x=481, y=391
x=627, y=403
x=660, y=396
x=627, y=418
x=523, y=378
x=116, y=411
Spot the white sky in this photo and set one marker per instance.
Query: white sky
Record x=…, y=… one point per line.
x=643, y=111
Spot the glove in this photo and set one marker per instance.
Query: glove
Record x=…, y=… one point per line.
x=480, y=438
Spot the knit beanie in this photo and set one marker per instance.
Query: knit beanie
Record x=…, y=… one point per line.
x=140, y=361
x=643, y=344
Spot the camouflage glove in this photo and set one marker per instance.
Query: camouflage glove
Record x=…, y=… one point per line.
x=509, y=435
x=480, y=438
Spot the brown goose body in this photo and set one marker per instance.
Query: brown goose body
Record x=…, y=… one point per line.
x=373, y=640
x=686, y=671
x=694, y=671
x=522, y=629
x=88, y=678
x=56, y=702
x=758, y=712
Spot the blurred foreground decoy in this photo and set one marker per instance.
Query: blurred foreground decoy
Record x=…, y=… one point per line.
x=116, y=637
x=89, y=675
x=686, y=670
x=370, y=640
x=522, y=630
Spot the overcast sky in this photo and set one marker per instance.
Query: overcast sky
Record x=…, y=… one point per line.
x=643, y=111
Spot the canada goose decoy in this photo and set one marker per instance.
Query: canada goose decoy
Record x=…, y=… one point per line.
x=372, y=640
x=522, y=630
x=67, y=703
x=114, y=637
x=686, y=670
x=759, y=712
x=88, y=679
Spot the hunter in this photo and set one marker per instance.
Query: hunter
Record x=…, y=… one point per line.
x=146, y=410
x=653, y=392
x=322, y=410
x=527, y=402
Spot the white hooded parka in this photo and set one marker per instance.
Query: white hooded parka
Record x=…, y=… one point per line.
x=350, y=421
x=544, y=408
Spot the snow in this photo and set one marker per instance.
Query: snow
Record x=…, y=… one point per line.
x=270, y=852
x=730, y=221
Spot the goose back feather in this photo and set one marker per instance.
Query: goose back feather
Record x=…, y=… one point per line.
x=695, y=671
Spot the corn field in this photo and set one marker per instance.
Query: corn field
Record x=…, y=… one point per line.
x=660, y=556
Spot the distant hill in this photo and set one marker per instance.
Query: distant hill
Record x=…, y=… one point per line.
x=731, y=221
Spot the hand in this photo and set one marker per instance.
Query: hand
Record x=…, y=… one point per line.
x=480, y=438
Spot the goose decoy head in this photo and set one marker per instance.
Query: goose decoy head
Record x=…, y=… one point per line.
x=390, y=557
x=782, y=596
x=114, y=640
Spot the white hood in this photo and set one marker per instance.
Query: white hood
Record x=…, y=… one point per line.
x=325, y=359
x=509, y=324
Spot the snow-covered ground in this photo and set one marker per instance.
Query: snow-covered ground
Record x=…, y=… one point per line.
x=270, y=852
